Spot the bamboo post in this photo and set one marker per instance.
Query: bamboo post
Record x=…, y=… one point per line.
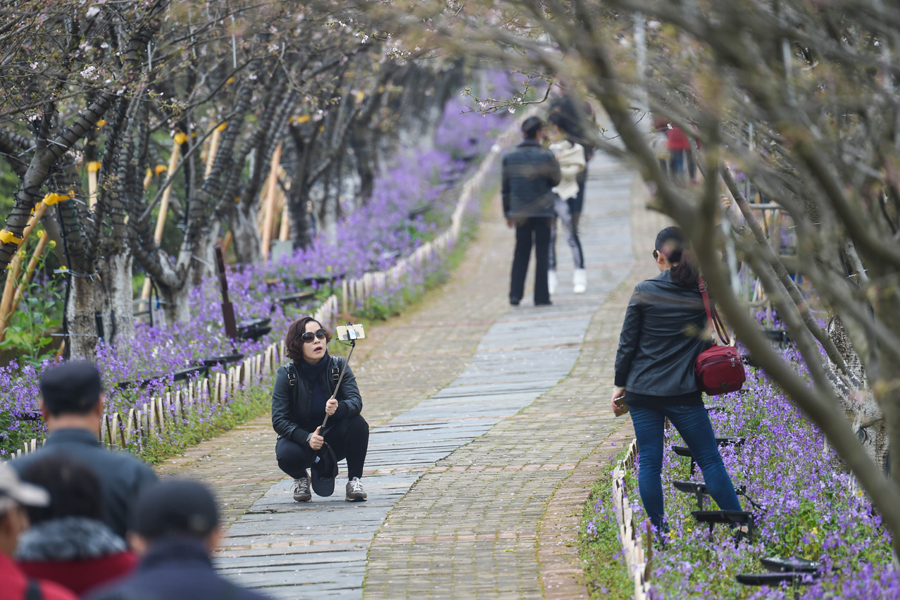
x=180, y=138
x=93, y=167
x=213, y=149
x=15, y=266
x=270, y=202
x=29, y=271
x=226, y=242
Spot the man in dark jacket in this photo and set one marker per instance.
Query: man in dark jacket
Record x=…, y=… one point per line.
x=72, y=407
x=176, y=529
x=529, y=174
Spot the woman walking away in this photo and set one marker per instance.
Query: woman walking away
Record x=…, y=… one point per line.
x=658, y=347
x=570, y=156
x=304, y=394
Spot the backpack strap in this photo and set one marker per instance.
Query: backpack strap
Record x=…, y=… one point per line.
x=33, y=591
x=291, y=373
x=714, y=321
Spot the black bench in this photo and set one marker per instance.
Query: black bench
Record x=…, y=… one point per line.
x=721, y=441
x=795, y=571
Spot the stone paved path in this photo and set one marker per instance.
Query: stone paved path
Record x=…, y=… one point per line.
x=489, y=424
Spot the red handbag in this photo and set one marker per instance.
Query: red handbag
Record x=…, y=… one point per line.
x=720, y=369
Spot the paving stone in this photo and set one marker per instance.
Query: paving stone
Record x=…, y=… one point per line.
x=487, y=425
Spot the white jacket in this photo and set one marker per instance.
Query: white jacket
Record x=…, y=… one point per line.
x=571, y=162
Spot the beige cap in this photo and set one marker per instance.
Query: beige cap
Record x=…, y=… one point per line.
x=14, y=489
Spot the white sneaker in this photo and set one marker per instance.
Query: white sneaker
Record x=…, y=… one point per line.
x=552, y=281
x=579, y=279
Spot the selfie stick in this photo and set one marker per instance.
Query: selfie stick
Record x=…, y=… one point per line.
x=351, y=333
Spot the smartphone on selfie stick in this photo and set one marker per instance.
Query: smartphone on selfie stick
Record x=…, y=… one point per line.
x=346, y=333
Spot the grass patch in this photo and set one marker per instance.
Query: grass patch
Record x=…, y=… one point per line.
x=606, y=575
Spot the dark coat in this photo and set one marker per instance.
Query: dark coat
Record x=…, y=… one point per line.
x=177, y=569
x=660, y=342
x=291, y=404
x=121, y=475
x=529, y=174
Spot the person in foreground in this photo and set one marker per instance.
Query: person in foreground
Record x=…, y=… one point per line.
x=304, y=394
x=176, y=529
x=14, y=497
x=658, y=348
x=68, y=542
x=529, y=174
x=72, y=406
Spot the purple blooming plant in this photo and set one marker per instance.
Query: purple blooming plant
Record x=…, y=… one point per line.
x=807, y=505
x=411, y=203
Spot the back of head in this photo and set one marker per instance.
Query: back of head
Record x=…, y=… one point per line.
x=71, y=388
x=684, y=270
x=176, y=508
x=531, y=127
x=74, y=489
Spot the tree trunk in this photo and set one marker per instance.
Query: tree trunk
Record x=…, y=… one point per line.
x=104, y=300
x=176, y=305
x=245, y=236
x=204, y=266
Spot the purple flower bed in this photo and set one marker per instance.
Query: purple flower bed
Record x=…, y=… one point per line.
x=809, y=507
x=371, y=238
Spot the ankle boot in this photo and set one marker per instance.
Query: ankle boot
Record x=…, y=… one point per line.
x=552, y=281
x=579, y=279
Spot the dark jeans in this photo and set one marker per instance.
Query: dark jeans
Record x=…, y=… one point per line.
x=692, y=422
x=349, y=438
x=537, y=228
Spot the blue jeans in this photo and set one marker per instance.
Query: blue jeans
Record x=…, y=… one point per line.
x=692, y=422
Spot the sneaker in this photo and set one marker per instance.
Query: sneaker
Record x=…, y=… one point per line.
x=355, y=491
x=579, y=280
x=301, y=490
x=552, y=281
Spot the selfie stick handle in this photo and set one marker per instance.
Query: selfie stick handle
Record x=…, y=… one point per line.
x=341, y=378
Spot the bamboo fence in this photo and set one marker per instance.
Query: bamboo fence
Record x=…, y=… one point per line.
x=637, y=550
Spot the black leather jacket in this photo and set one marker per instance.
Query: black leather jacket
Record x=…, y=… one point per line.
x=659, y=343
x=529, y=174
x=290, y=404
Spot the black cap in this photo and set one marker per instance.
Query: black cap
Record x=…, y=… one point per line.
x=176, y=507
x=72, y=387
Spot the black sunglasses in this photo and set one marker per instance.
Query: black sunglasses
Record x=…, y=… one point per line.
x=656, y=254
x=308, y=336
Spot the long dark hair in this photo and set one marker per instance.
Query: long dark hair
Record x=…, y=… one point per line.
x=684, y=271
x=293, y=345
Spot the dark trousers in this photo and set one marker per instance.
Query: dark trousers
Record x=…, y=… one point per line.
x=536, y=231
x=692, y=422
x=349, y=438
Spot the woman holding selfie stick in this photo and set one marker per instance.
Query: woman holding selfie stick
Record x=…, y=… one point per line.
x=655, y=374
x=304, y=397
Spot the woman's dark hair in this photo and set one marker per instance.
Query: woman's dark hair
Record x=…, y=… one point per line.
x=293, y=344
x=74, y=488
x=684, y=271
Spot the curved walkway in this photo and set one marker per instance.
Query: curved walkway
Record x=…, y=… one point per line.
x=489, y=424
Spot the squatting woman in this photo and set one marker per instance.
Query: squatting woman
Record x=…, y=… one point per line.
x=658, y=348
x=304, y=393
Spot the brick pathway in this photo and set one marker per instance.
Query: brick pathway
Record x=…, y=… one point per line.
x=485, y=439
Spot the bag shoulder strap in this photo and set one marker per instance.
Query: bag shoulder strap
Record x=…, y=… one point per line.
x=714, y=321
